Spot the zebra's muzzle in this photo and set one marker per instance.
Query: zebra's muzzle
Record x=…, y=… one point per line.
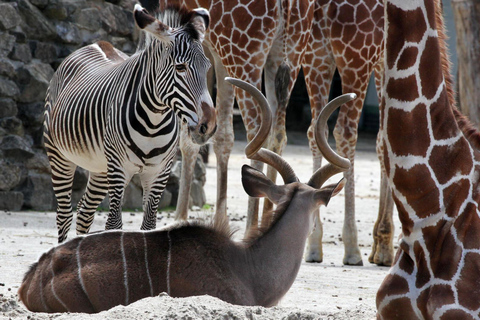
x=206, y=127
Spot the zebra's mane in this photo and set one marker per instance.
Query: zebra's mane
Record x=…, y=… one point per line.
x=175, y=16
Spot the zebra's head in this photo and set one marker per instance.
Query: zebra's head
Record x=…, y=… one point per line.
x=174, y=37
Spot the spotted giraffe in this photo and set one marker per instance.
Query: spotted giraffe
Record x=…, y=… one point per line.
x=433, y=165
x=245, y=38
x=347, y=34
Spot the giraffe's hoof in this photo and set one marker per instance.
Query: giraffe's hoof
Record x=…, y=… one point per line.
x=313, y=256
x=352, y=261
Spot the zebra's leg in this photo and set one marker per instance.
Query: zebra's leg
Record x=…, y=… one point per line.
x=63, y=171
x=117, y=182
x=153, y=186
x=96, y=191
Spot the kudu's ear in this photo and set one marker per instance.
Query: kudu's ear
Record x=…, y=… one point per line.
x=148, y=23
x=201, y=20
x=257, y=185
x=323, y=195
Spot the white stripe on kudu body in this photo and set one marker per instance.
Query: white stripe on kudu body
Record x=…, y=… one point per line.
x=191, y=259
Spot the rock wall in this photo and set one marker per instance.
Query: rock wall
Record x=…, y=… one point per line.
x=35, y=36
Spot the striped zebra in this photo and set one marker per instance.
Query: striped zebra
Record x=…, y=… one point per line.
x=117, y=116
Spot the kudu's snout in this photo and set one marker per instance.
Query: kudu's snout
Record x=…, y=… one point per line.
x=207, y=125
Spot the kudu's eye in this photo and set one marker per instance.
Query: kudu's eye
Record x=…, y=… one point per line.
x=181, y=67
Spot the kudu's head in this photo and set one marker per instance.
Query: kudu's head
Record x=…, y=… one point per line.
x=310, y=195
x=175, y=38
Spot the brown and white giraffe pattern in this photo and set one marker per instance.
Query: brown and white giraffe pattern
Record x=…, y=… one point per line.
x=434, y=174
x=246, y=38
x=347, y=34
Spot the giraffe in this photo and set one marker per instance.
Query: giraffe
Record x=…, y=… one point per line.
x=347, y=34
x=432, y=163
x=245, y=38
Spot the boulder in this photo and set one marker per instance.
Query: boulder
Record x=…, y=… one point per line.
x=68, y=33
x=32, y=115
x=46, y=52
x=10, y=175
x=8, y=108
x=6, y=68
x=9, y=17
x=36, y=25
x=7, y=41
x=38, y=192
x=16, y=148
x=12, y=125
x=21, y=52
x=35, y=79
x=89, y=19
x=11, y=200
x=8, y=88
x=39, y=163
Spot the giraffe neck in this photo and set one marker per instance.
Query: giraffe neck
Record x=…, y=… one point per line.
x=427, y=156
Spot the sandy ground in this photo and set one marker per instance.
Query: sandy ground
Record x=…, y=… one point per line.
x=327, y=290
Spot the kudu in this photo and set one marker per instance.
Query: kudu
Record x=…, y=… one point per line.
x=99, y=271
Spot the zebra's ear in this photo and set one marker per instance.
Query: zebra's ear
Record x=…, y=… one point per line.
x=148, y=23
x=201, y=20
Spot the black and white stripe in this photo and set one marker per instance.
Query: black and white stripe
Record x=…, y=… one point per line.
x=117, y=116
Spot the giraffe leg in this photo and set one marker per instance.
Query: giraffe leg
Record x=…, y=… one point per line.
x=224, y=138
x=346, y=139
x=382, y=248
x=318, y=67
x=189, y=155
x=95, y=193
x=63, y=171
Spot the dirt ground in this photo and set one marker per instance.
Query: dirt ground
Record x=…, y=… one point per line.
x=327, y=290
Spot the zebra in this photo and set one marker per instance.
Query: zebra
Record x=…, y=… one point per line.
x=117, y=116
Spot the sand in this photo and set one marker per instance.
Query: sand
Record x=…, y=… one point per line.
x=327, y=290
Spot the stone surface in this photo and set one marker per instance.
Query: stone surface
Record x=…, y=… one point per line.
x=7, y=42
x=35, y=79
x=12, y=125
x=11, y=200
x=6, y=68
x=10, y=175
x=8, y=108
x=8, y=88
x=9, y=17
x=68, y=33
x=38, y=192
x=36, y=25
x=21, y=52
x=16, y=148
x=45, y=52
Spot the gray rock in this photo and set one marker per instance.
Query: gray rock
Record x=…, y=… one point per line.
x=9, y=17
x=38, y=192
x=7, y=41
x=12, y=125
x=10, y=175
x=68, y=32
x=89, y=19
x=11, y=200
x=39, y=3
x=16, y=148
x=37, y=25
x=133, y=197
x=21, y=52
x=8, y=88
x=46, y=52
x=117, y=20
x=197, y=194
x=56, y=11
x=6, y=68
x=32, y=115
x=166, y=199
x=8, y=108
x=39, y=163
x=35, y=78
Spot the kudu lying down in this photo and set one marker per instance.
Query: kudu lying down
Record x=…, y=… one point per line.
x=99, y=271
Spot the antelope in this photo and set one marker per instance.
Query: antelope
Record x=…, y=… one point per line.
x=96, y=272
